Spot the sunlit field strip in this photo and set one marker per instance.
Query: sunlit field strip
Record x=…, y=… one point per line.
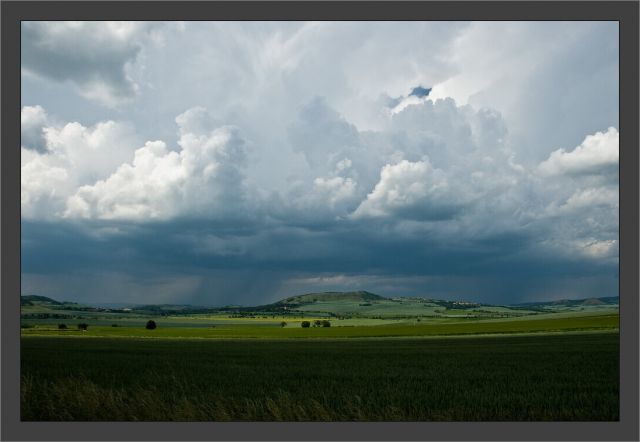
x=603, y=322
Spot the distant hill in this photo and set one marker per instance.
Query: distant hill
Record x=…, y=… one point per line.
x=37, y=300
x=607, y=300
x=360, y=296
x=352, y=303
x=593, y=301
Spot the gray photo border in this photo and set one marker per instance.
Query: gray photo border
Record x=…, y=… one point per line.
x=625, y=12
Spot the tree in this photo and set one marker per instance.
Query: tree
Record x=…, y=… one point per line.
x=151, y=324
x=305, y=324
x=62, y=326
x=83, y=326
x=317, y=323
x=283, y=324
x=326, y=323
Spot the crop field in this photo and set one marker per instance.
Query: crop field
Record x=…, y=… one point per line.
x=379, y=360
x=563, y=377
x=403, y=329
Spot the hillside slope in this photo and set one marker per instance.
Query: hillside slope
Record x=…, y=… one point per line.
x=36, y=300
x=359, y=296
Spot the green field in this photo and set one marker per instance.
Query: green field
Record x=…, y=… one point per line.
x=400, y=359
x=248, y=329
x=563, y=377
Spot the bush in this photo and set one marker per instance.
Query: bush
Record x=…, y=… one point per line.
x=62, y=326
x=83, y=326
x=115, y=325
x=283, y=324
x=151, y=324
x=317, y=323
x=305, y=324
x=326, y=323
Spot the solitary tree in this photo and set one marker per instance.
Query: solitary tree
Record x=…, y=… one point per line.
x=62, y=326
x=305, y=324
x=326, y=323
x=151, y=324
x=283, y=324
x=83, y=326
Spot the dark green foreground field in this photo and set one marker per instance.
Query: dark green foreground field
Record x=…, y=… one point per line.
x=564, y=377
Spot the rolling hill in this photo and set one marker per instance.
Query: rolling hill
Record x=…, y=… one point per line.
x=37, y=300
x=360, y=296
x=352, y=304
x=607, y=300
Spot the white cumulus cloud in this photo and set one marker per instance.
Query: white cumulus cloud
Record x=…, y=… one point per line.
x=415, y=189
x=336, y=189
x=203, y=178
x=70, y=155
x=595, y=155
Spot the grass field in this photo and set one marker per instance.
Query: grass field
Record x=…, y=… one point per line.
x=564, y=377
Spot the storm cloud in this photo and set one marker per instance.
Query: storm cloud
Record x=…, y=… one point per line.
x=401, y=175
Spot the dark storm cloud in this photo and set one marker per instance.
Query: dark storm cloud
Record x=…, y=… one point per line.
x=248, y=188
x=425, y=229
x=137, y=264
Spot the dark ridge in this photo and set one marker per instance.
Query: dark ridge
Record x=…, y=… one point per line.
x=293, y=302
x=606, y=300
x=35, y=299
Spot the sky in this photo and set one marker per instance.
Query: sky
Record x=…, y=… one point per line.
x=238, y=163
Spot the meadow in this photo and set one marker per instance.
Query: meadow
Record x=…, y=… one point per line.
x=561, y=377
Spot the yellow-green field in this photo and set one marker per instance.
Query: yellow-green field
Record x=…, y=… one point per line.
x=251, y=328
